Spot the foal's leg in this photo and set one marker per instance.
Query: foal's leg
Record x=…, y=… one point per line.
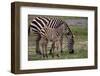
x=53, y=48
x=46, y=44
x=61, y=44
x=57, y=48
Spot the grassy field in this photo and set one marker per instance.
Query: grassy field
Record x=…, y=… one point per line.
x=80, y=46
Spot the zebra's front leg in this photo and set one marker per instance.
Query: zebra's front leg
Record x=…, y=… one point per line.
x=37, y=45
x=61, y=44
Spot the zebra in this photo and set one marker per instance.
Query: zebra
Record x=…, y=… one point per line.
x=38, y=23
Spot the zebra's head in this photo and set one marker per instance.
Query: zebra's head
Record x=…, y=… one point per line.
x=70, y=41
x=70, y=38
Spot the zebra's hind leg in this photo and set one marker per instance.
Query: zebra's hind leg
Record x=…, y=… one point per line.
x=43, y=43
x=38, y=51
x=44, y=55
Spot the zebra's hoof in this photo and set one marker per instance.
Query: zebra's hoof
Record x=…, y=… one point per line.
x=38, y=52
x=71, y=52
x=52, y=56
x=46, y=56
x=58, y=55
x=50, y=53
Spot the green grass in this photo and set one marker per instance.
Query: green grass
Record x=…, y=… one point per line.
x=80, y=46
x=79, y=30
x=81, y=53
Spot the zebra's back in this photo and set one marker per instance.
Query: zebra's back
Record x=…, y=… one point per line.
x=38, y=23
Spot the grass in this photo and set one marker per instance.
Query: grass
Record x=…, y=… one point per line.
x=81, y=53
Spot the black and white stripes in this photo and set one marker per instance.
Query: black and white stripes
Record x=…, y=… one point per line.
x=38, y=23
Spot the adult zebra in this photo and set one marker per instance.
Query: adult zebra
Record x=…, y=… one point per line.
x=38, y=23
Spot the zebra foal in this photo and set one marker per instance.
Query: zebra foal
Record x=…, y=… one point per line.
x=51, y=35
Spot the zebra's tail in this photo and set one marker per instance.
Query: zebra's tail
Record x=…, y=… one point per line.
x=28, y=30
